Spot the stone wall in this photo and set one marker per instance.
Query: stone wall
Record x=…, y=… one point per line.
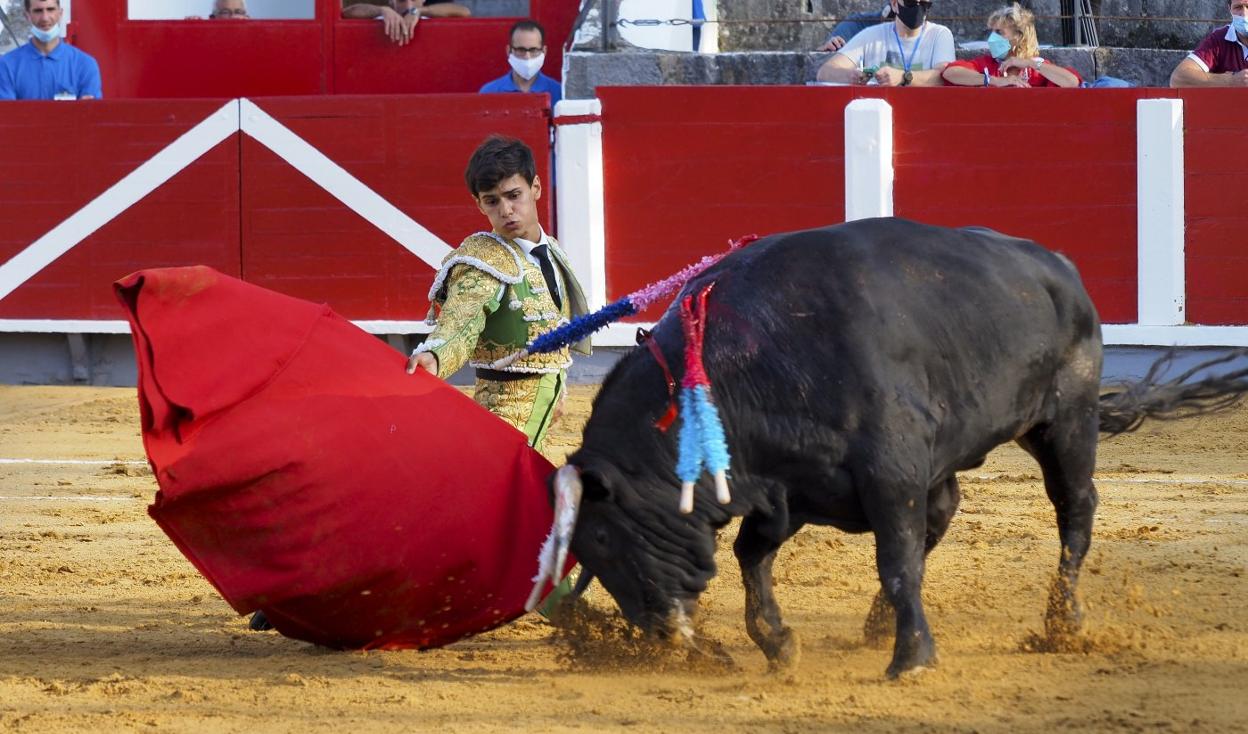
x=802, y=25
x=585, y=71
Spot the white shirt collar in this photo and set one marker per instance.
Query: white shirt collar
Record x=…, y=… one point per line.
x=528, y=246
x=1233, y=37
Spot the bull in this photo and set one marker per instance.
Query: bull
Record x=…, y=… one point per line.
x=857, y=368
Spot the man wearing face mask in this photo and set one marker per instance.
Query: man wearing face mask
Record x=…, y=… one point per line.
x=910, y=51
x=46, y=68
x=526, y=53
x=1221, y=60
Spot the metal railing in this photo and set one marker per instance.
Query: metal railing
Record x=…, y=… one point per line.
x=1077, y=20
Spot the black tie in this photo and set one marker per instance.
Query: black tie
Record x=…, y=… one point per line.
x=548, y=272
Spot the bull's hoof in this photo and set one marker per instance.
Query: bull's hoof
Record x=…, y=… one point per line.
x=784, y=651
x=259, y=622
x=880, y=624
x=1063, y=618
x=912, y=658
x=707, y=653
x=1060, y=629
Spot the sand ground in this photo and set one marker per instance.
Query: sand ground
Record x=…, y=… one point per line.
x=105, y=627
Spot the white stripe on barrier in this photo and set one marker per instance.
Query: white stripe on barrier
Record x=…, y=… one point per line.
x=1161, y=290
x=71, y=462
x=1168, y=480
x=120, y=196
x=75, y=498
x=342, y=185
x=67, y=326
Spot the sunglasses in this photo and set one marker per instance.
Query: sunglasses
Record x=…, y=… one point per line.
x=925, y=4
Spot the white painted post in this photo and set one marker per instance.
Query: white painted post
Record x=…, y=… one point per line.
x=868, y=159
x=1161, y=287
x=581, y=206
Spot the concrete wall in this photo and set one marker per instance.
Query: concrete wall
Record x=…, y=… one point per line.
x=799, y=27
x=586, y=71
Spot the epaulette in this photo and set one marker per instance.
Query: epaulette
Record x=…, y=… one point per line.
x=486, y=252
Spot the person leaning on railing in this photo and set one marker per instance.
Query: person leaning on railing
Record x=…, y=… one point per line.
x=1013, y=58
x=853, y=24
x=909, y=51
x=399, y=17
x=1221, y=59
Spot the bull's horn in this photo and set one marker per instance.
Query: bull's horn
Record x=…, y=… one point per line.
x=554, y=553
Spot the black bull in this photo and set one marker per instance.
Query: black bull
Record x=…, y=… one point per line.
x=857, y=368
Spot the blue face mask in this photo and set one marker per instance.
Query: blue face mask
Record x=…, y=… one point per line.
x=998, y=46
x=48, y=35
x=1240, y=24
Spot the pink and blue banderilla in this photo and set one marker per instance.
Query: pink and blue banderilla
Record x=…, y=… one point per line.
x=702, y=444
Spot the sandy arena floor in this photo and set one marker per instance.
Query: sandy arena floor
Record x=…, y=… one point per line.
x=105, y=627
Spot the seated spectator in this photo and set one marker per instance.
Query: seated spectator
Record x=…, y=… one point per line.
x=1013, y=58
x=852, y=25
x=526, y=52
x=400, y=17
x=908, y=51
x=47, y=68
x=1221, y=59
x=229, y=10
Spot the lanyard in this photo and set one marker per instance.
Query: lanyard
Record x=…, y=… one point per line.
x=906, y=63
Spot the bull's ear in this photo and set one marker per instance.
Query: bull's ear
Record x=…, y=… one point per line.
x=596, y=485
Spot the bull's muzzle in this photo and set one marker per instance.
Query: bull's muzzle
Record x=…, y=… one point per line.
x=554, y=554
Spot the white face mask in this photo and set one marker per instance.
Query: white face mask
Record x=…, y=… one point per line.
x=48, y=35
x=526, y=68
x=1240, y=23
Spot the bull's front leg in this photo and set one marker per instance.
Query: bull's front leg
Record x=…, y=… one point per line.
x=756, y=547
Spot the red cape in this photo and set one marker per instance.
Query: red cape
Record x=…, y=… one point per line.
x=304, y=473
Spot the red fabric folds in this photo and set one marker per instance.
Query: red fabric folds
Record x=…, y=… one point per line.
x=304, y=473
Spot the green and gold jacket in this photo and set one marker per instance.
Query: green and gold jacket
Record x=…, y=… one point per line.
x=490, y=301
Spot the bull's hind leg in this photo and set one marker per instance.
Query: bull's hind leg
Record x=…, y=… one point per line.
x=1066, y=452
x=942, y=505
x=756, y=545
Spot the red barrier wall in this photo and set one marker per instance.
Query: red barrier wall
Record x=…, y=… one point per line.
x=241, y=208
x=688, y=168
x=410, y=150
x=1217, y=256
x=60, y=157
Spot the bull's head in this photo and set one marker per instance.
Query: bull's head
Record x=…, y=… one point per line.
x=652, y=560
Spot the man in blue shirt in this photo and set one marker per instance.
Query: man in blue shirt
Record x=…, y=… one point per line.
x=45, y=68
x=526, y=53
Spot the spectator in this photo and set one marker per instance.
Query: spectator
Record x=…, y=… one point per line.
x=854, y=24
x=46, y=68
x=229, y=10
x=525, y=53
x=401, y=16
x=1013, y=58
x=1221, y=59
x=908, y=51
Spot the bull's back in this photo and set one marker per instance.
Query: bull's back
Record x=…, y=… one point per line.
x=853, y=323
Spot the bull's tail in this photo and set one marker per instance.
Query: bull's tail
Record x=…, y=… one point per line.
x=1125, y=407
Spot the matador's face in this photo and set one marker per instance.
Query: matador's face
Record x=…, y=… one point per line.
x=511, y=207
